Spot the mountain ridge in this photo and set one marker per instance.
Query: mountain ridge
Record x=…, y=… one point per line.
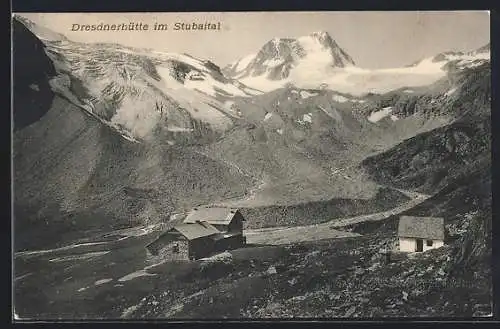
x=266, y=71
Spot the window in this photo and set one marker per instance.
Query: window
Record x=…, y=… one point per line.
x=176, y=248
x=429, y=243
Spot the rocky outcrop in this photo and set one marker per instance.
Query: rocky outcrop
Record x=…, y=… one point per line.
x=32, y=71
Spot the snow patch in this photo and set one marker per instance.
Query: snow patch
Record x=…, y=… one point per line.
x=468, y=57
x=262, y=83
x=78, y=257
x=229, y=105
x=272, y=63
x=244, y=62
x=339, y=98
x=305, y=118
x=130, y=310
x=23, y=276
x=196, y=103
x=134, y=275
x=137, y=117
x=279, y=131
x=207, y=85
x=103, y=281
x=224, y=257
x=135, y=231
x=271, y=270
x=470, y=65
x=379, y=115
x=48, y=251
x=305, y=94
x=394, y=117
x=332, y=113
x=179, y=129
x=450, y=92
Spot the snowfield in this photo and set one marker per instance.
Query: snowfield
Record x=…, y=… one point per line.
x=244, y=62
x=314, y=70
x=450, y=92
x=135, y=90
x=305, y=94
x=340, y=98
x=305, y=118
x=379, y=115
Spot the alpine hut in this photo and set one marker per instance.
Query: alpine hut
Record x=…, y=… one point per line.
x=418, y=234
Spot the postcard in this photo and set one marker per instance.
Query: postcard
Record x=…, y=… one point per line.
x=251, y=165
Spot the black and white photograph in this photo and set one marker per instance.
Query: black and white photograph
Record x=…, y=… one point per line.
x=251, y=165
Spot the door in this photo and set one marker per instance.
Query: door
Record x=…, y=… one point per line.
x=420, y=245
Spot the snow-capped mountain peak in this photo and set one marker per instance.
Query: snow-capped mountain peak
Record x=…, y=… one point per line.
x=323, y=38
x=320, y=34
x=277, y=58
x=316, y=61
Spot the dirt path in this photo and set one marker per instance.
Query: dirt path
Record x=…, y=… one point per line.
x=286, y=235
x=328, y=230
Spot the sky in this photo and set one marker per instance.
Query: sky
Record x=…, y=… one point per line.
x=372, y=39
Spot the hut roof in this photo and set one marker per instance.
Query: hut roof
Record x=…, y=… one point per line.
x=215, y=216
x=421, y=227
x=193, y=231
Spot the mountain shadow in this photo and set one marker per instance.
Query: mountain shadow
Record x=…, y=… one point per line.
x=32, y=70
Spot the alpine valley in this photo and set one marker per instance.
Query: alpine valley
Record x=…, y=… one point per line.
x=112, y=143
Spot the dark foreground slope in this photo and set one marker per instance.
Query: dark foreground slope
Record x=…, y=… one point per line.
x=326, y=279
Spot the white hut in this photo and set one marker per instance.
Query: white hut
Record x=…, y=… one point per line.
x=418, y=234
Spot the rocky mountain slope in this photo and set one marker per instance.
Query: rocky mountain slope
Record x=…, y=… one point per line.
x=177, y=108
x=424, y=160
x=140, y=92
x=74, y=173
